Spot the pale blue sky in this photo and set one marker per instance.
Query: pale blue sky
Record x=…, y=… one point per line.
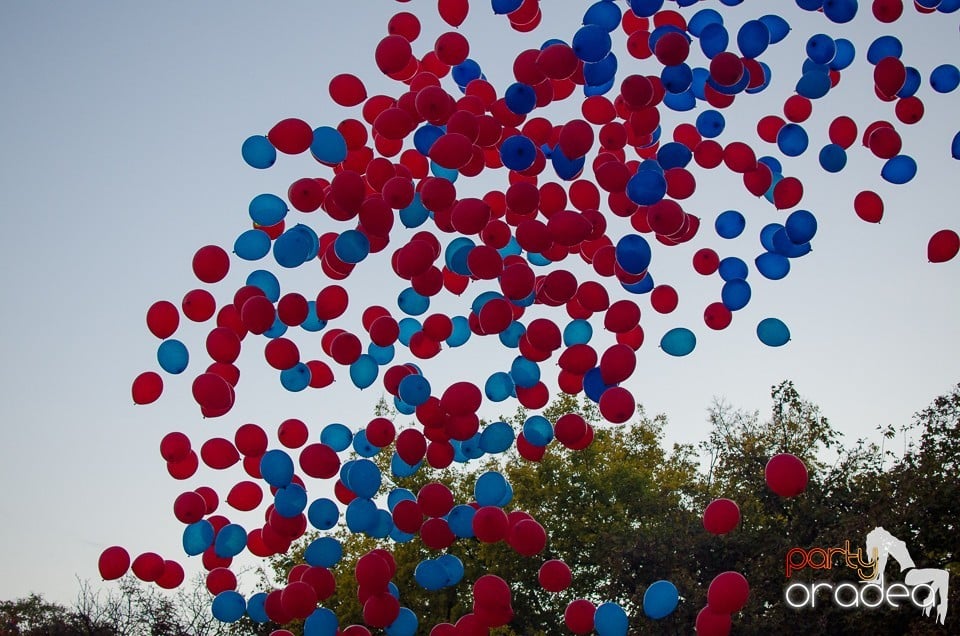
x=122, y=125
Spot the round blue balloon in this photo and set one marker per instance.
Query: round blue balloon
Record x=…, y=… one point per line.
x=491, y=488
x=267, y=282
x=821, y=48
x=732, y=268
x=351, y=246
x=945, y=78
x=899, y=170
x=337, y=436
x=525, y=373
x=499, y=387
x=414, y=389
x=679, y=341
x=290, y=500
x=518, y=152
x=711, y=123
x=276, y=468
x=405, y=624
x=660, y=599
x=520, y=98
x=730, y=224
x=537, y=430
x=779, y=28
x=173, y=357
x=252, y=245
x=296, y=378
x=323, y=552
x=577, y=331
x=611, y=620
x=328, y=145
x=792, y=140
x=323, y=514
x=801, y=226
x=604, y=14
x=884, y=46
x=833, y=158
x=361, y=515
x=591, y=43
x=633, y=253
x=773, y=332
x=753, y=38
x=197, y=537
x=322, y=622
x=258, y=152
x=231, y=540
x=735, y=294
x=772, y=266
x=228, y=606
x=496, y=438
x=363, y=371
x=460, y=520
x=267, y=209
x=256, y=609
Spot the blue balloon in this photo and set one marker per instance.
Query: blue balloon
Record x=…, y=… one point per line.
x=537, y=430
x=382, y=525
x=296, y=378
x=453, y=567
x=564, y=167
x=363, y=477
x=499, y=386
x=518, y=152
x=496, y=438
x=591, y=43
x=767, y=234
x=730, y=224
x=945, y=78
x=675, y=155
x=461, y=331
x=783, y=245
x=792, y=140
x=290, y=500
x=645, y=8
x=381, y=355
x=267, y=282
x=414, y=215
x=813, y=84
x=405, y=624
x=295, y=247
x=172, y=355
x=252, y=245
x=676, y=78
x=520, y=98
x=604, y=14
x=231, y=540
x=577, y=332
x=276, y=468
x=735, y=294
x=361, y=515
x=323, y=514
x=525, y=373
x=400, y=468
x=312, y=322
x=732, y=268
x=714, y=39
x=710, y=123
x=412, y=303
x=680, y=102
x=840, y=11
x=679, y=341
x=336, y=436
x=821, y=48
x=328, y=145
x=699, y=20
x=323, y=622
x=362, y=446
x=660, y=599
x=884, y=46
x=267, y=209
x=801, y=226
x=460, y=520
x=753, y=38
x=414, y=389
x=465, y=72
x=772, y=266
x=323, y=552
x=491, y=488
x=430, y=575
x=397, y=495
x=610, y=620
x=779, y=28
x=833, y=158
x=408, y=327
x=844, y=55
x=503, y=7
x=197, y=537
x=955, y=146
x=602, y=72
x=899, y=170
x=228, y=606
x=633, y=253
x=593, y=384
x=351, y=246
x=258, y=152
x=256, y=608
x=772, y=163
x=425, y=136
x=772, y=332
x=510, y=337
x=767, y=75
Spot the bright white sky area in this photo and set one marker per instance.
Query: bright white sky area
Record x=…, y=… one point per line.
x=122, y=125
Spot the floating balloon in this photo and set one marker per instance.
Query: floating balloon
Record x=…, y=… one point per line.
x=786, y=475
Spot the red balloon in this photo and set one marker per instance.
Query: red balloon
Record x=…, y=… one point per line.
x=380, y=432
x=163, y=318
x=579, y=616
x=219, y=453
x=887, y=11
x=664, y=299
x=717, y=316
x=943, y=246
x=738, y=156
x=291, y=136
x=189, y=507
x=787, y=193
x=299, y=599
x=223, y=345
x=622, y=316
x=461, y=398
x=576, y=139
x=250, y=440
x=404, y=24
x=411, y=446
x=392, y=54
x=843, y=131
x=554, y=576
x=797, y=108
x=453, y=12
x=557, y=61
x=726, y=68
x=147, y=387
x=889, y=76
x=452, y=151
x=869, y=206
x=211, y=264
x=451, y=48
x=114, y=563
x=728, y=593
x=786, y=475
x=380, y=610
x=319, y=461
x=220, y=580
x=435, y=499
x=490, y=524
x=245, y=496
x=617, y=405
x=258, y=314
x=293, y=433
x=909, y=110
x=527, y=537
x=617, y=364
x=721, y=516
x=148, y=567
x=172, y=575
x=212, y=392
x=711, y=623
x=184, y=468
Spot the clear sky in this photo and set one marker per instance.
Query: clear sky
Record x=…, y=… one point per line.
x=122, y=125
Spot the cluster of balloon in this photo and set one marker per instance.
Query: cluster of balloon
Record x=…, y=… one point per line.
x=393, y=178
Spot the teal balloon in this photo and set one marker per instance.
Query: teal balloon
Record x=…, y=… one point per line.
x=460, y=520
x=461, y=331
x=361, y=515
x=323, y=514
x=405, y=624
x=577, y=332
x=430, y=575
x=491, y=488
x=408, y=327
x=400, y=468
x=258, y=152
x=256, y=609
x=510, y=337
x=173, y=357
x=499, y=387
x=252, y=245
x=363, y=371
x=336, y=436
x=415, y=214
x=414, y=389
x=611, y=620
x=323, y=552
x=679, y=341
x=496, y=438
x=660, y=600
x=381, y=355
x=773, y=332
x=267, y=209
x=525, y=373
x=363, y=478
x=290, y=500
x=296, y=378
x=412, y=303
x=231, y=540
x=276, y=468
x=228, y=606
x=197, y=537
x=267, y=282
x=328, y=145
x=537, y=430
x=362, y=446
x=351, y=246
